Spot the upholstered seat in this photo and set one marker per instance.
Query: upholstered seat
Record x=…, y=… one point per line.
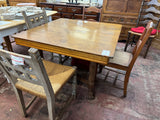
x=148, y=11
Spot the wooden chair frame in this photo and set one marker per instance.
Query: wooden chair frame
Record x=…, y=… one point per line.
x=149, y=16
x=91, y=10
x=136, y=51
x=33, y=71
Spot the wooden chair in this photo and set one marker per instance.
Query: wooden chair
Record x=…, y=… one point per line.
x=35, y=19
x=147, y=12
x=36, y=76
x=124, y=61
x=89, y=13
x=3, y=3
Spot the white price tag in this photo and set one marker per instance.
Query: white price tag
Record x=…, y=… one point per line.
x=17, y=60
x=105, y=53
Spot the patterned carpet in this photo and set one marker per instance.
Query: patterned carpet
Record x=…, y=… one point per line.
x=142, y=101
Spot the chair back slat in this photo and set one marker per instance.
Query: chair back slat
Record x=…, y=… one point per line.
x=153, y=2
x=27, y=71
x=36, y=19
x=149, y=11
x=141, y=42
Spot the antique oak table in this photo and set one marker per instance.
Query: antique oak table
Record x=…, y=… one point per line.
x=92, y=41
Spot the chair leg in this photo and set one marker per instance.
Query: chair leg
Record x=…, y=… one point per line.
x=51, y=108
x=126, y=83
x=74, y=86
x=100, y=68
x=127, y=42
x=20, y=100
x=148, y=46
x=60, y=59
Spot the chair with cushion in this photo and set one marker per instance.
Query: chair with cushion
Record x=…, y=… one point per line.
x=148, y=11
x=36, y=76
x=124, y=61
x=91, y=13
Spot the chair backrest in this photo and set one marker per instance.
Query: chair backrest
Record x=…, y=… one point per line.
x=141, y=42
x=90, y=11
x=27, y=68
x=36, y=19
x=149, y=11
x=3, y=3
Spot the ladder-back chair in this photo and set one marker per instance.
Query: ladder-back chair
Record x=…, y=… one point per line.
x=148, y=11
x=90, y=12
x=124, y=61
x=36, y=76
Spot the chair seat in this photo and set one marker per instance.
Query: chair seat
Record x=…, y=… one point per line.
x=121, y=58
x=58, y=76
x=139, y=34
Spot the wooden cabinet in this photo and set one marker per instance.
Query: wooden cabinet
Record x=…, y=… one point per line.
x=123, y=12
x=14, y=2
x=67, y=10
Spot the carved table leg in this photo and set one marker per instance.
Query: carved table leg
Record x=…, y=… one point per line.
x=8, y=43
x=92, y=76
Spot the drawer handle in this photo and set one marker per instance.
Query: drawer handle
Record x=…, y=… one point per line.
x=73, y=10
x=121, y=19
x=59, y=8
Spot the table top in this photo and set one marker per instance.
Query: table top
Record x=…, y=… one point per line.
x=4, y=24
x=92, y=39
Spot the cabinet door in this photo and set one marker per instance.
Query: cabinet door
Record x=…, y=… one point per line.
x=114, y=5
x=121, y=6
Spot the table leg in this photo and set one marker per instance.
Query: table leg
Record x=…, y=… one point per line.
x=8, y=43
x=91, y=81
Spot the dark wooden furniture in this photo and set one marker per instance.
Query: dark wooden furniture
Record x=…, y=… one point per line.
x=68, y=10
x=149, y=11
x=123, y=12
x=124, y=61
x=83, y=40
x=91, y=13
x=38, y=77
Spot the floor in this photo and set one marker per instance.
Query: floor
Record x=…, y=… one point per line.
x=141, y=103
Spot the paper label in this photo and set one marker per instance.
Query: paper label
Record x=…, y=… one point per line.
x=105, y=53
x=17, y=60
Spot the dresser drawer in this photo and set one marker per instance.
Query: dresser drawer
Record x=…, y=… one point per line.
x=67, y=15
x=74, y=10
x=110, y=19
x=60, y=8
x=78, y=16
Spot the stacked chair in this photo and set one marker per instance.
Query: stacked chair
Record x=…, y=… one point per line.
x=148, y=11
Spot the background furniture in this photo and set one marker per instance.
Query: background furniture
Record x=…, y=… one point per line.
x=89, y=11
x=32, y=75
x=84, y=40
x=125, y=61
x=13, y=26
x=68, y=10
x=147, y=12
x=123, y=12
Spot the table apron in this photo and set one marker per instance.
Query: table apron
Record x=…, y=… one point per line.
x=64, y=51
